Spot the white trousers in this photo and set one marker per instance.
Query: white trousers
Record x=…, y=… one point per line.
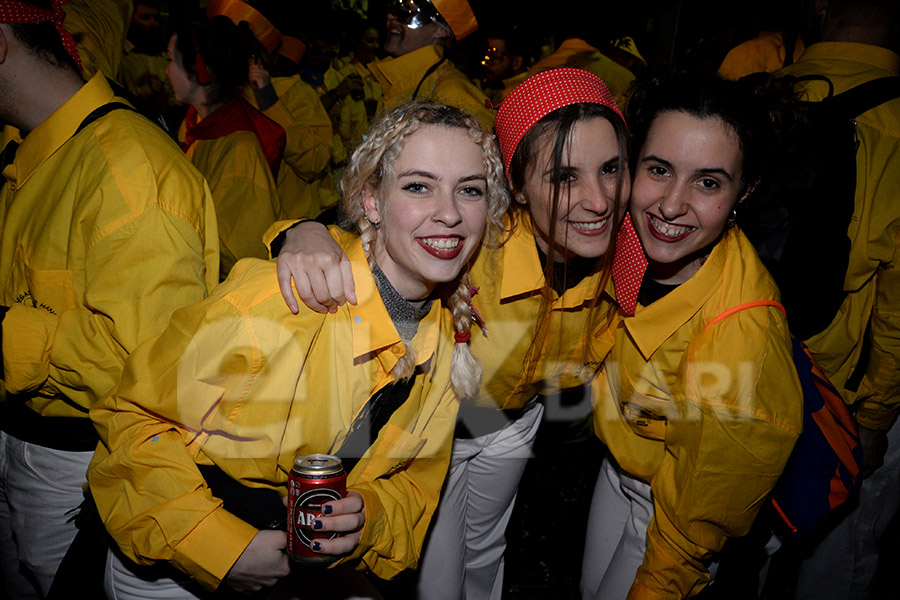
x=40, y=491
x=126, y=581
x=621, y=509
x=843, y=565
x=463, y=554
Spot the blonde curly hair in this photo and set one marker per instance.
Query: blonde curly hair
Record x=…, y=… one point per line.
x=372, y=165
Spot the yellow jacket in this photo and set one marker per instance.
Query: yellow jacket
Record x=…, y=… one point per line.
x=873, y=276
x=307, y=186
x=243, y=191
x=104, y=235
x=707, y=417
x=763, y=54
x=575, y=52
x=354, y=117
x=99, y=28
x=399, y=77
x=509, y=281
x=240, y=382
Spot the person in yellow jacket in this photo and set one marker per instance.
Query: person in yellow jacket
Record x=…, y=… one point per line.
x=105, y=230
x=241, y=384
x=538, y=295
x=237, y=148
x=306, y=186
x=858, y=45
x=576, y=52
x=699, y=410
x=419, y=35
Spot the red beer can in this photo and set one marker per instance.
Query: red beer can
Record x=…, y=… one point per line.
x=314, y=480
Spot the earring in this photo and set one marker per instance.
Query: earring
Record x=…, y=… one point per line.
x=375, y=224
x=733, y=216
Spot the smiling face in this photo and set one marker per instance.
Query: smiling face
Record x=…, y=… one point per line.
x=431, y=211
x=403, y=39
x=588, y=175
x=686, y=183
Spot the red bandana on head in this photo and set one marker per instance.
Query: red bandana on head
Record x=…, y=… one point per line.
x=14, y=12
x=540, y=95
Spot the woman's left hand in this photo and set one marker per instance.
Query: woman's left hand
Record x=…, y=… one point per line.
x=347, y=516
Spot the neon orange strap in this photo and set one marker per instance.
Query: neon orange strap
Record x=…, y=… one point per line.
x=741, y=307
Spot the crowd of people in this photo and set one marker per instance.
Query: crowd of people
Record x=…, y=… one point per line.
x=228, y=241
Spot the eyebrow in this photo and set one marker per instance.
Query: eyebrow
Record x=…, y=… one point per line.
x=430, y=175
x=702, y=171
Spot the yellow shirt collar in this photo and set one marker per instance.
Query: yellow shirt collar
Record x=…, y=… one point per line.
x=401, y=71
x=652, y=325
x=57, y=129
x=524, y=275
x=373, y=331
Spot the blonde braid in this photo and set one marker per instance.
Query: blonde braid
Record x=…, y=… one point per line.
x=465, y=371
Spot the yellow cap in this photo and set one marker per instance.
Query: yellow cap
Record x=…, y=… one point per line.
x=459, y=16
x=238, y=11
x=626, y=44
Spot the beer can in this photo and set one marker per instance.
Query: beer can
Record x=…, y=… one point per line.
x=314, y=480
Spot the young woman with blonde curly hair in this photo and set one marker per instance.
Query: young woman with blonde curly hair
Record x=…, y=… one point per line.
x=237, y=386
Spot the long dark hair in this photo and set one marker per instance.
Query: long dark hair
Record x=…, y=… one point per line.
x=556, y=127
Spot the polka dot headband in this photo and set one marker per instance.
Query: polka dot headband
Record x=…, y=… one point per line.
x=540, y=95
x=14, y=12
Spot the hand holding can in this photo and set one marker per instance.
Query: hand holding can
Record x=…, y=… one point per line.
x=314, y=480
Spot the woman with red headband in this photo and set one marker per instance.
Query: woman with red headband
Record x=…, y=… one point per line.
x=237, y=148
x=564, y=146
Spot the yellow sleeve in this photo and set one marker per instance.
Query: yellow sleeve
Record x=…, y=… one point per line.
x=739, y=421
x=139, y=269
x=879, y=392
x=245, y=197
x=399, y=507
x=307, y=125
x=144, y=479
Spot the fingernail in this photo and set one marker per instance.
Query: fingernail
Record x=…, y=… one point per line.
x=327, y=509
x=317, y=524
x=316, y=546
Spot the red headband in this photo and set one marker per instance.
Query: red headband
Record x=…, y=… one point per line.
x=540, y=95
x=14, y=12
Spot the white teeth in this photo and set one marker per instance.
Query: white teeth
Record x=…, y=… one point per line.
x=667, y=228
x=588, y=226
x=442, y=243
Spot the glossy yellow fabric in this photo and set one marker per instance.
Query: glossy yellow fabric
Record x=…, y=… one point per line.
x=243, y=191
x=307, y=186
x=510, y=280
x=575, y=52
x=763, y=54
x=400, y=76
x=104, y=235
x=240, y=382
x=707, y=417
x=353, y=122
x=873, y=277
x=99, y=28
